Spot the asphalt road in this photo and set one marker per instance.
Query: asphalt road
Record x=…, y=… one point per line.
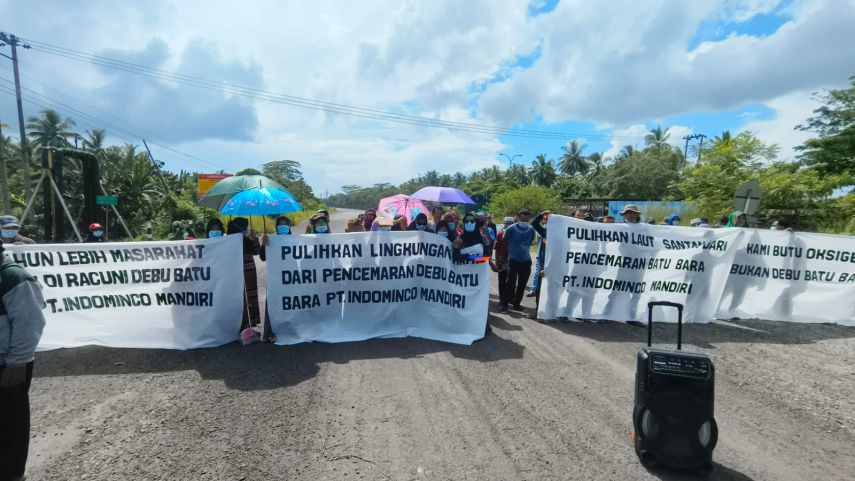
x=531, y=402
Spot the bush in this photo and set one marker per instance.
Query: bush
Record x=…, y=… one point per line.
x=532, y=197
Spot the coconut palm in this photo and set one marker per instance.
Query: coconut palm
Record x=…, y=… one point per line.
x=657, y=138
x=518, y=174
x=626, y=152
x=572, y=161
x=543, y=171
x=724, y=140
x=458, y=179
x=95, y=141
x=597, y=163
x=50, y=130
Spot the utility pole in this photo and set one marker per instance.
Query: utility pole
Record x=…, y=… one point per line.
x=15, y=42
x=3, y=178
x=686, y=151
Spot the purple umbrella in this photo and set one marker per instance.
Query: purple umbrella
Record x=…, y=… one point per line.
x=446, y=195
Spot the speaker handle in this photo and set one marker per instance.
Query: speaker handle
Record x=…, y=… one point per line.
x=679, y=307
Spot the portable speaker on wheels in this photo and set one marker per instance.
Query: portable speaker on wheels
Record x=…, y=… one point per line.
x=673, y=419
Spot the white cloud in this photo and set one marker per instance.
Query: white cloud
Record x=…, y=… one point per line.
x=790, y=110
x=425, y=58
x=603, y=68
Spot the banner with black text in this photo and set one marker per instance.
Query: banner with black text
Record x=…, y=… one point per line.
x=791, y=276
x=350, y=287
x=170, y=295
x=611, y=271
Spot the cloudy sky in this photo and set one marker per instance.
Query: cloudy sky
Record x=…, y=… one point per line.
x=601, y=72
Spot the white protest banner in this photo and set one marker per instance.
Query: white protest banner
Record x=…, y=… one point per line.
x=787, y=276
x=350, y=287
x=170, y=295
x=611, y=271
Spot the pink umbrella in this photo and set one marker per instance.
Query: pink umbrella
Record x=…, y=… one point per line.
x=401, y=204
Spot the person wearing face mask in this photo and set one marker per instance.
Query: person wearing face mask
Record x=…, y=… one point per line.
x=443, y=231
x=453, y=226
x=283, y=226
x=251, y=248
x=673, y=219
x=421, y=224
x=319, y=224
x=96, y=233
x=10, y=229
x=472, y=242
x=737, y=218
x=214, y=229
x=500, y=263
x=519, y=238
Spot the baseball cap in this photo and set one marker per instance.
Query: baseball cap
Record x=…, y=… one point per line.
x=9, y=221
x=630, y=208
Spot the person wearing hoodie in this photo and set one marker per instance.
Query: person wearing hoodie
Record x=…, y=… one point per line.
x=539, y=224
x=21, y=325
x=672, y=219
x=737, y=218
x=214, y=229
x=420, y=223
x=96, y=233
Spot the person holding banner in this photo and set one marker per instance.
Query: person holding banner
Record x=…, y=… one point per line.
x=631, y=214
x=319, y=224
x=443, y=230
x=420, y=223
x=539, y=225
x=21, y=325
x=214, y=229
x=519, y=238
x=251, y=248
x=283, y=227
x=737, y=218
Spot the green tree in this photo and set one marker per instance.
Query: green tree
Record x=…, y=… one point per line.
x=532, y=197
x=282, y=170
x=249, y=171
x=50, y=130
x=95, y=139
x=642, y=175
x=833, y=150
x=572, y=161
x=543, y=171
x=726, y=164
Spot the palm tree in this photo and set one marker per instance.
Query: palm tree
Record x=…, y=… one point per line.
x=518, y=174
x=282, y=170
x=458, y=179
x=572, y=161
x=657, y=138
x=626, y=152
x=597, y=163
x=50, y=130
x=723, y=140
x=543, y=171
x=96, y=139
x=431, y=177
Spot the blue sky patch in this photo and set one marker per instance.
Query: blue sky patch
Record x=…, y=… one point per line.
x=761, y=25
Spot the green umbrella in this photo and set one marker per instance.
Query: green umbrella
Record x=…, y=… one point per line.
x=223, y=190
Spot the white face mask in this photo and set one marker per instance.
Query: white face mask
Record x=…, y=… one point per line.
x=523, y=224
x=97, y=233
x=10, y=233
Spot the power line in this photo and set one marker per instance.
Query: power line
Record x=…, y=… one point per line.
x=307, y=103
x=94, y=122
x=149, y=133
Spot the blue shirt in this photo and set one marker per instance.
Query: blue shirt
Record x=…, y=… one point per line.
x=519, y=241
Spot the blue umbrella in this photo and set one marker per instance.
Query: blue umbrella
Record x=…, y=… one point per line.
x=261, y=201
